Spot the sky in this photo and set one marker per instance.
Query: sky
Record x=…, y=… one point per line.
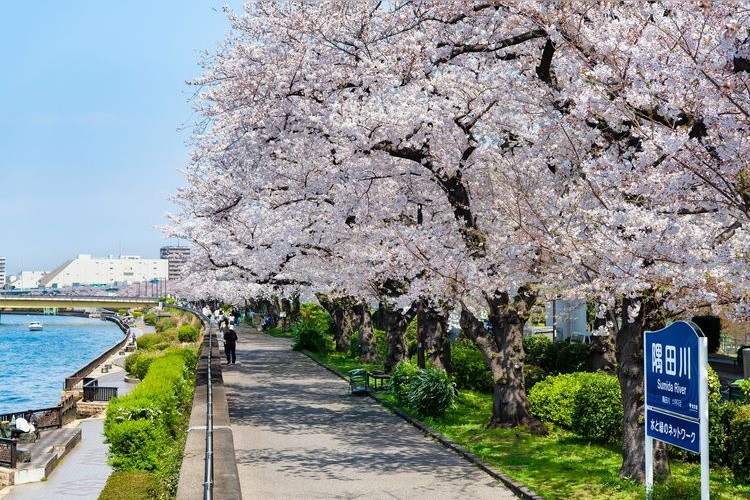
x=95, y=122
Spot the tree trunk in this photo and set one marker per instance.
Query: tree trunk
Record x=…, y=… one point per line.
x=630, y=374
x=294, y=308
x=368, y=346
x=502, y=349
x=394, y=322
x=437, y=344
x=603, y=348
x=341, y=310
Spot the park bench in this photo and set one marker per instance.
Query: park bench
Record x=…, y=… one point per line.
x=361, y=381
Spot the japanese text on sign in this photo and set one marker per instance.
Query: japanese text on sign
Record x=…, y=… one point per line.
x=675, y=361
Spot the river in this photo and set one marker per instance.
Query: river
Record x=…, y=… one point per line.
x=34, y=364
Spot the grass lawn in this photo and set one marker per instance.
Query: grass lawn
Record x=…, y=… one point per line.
x=560, y=465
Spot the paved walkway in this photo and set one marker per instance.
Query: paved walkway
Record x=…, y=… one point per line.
x=298, y=433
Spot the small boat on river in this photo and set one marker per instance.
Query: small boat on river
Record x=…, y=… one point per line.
x=35, y=326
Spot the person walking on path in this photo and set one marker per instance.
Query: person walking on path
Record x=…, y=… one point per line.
x=230, y=344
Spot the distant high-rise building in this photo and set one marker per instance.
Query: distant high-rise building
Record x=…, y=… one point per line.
x=177, y=256
x=2, y=272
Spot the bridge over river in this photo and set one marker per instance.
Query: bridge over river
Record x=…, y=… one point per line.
x=68, y=302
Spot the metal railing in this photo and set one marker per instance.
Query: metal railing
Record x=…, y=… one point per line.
x=8, y=452
x=92, y=391
x=208, y=473
x=46, y=418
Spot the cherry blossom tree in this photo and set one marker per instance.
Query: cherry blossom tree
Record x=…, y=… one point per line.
x=483, y=153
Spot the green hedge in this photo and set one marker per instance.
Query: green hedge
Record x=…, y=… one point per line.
x=310, y=335
x=557, y=357
x=468, y=367
x=158, y=341
x=187, y=333
x=536, y=348
x=553, y=399
x=145, y=428
x=532, y=375
x=131, y=485
x=164, y=324
x=137, y=363
x=740, y=451
x=598, y=412
x=150, y=319
x=401, y=378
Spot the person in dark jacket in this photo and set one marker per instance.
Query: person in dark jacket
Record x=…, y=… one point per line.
x=230, y=345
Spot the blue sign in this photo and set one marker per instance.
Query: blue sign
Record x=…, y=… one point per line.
x=681, y=432
x=672, y=369
x=673, y=377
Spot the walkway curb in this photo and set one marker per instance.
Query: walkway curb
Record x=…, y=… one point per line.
x=192, y=472
x=516, y=487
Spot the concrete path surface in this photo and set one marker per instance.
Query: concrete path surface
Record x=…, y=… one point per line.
x=298, y=433
x=81, y=475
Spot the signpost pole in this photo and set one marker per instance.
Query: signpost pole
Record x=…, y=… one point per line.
x=649, y=449
x=676, y=394
x=703, y=396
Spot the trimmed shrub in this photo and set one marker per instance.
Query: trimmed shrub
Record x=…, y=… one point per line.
x=532, y=375
x=536, y=348
x=711, y=327
x=401, y=378
x=316, y=315
x=557, y=357
x=740, y=452
x=136, y=444
x=720, y=414
x=720, y=440
x=431, y=392
x=137, y=313
x=569, y=357
x=310, y=335
x=553, y=399
x=141, y=427
x=468, y=367
x=598, y=413
x=149, y=340
x=130, y=361
x=131, y=485
x=137, y=364
x=187, y=333
x=164, y=324
x=150, y=319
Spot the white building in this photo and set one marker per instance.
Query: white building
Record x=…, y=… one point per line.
x=27, y=279
x=569, y=318
x=177, y=256
x=2, y=272
x=86, y=270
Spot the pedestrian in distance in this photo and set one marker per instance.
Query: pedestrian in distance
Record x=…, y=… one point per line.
x=230, y=345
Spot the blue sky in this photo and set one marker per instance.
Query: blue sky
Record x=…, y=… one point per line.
x=95, y=119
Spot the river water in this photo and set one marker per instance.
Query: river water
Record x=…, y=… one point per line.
x=33, y=365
